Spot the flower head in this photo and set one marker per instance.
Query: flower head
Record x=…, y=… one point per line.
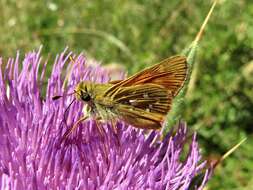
x=31, y=124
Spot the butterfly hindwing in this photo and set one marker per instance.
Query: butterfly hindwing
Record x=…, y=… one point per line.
x=144, y=106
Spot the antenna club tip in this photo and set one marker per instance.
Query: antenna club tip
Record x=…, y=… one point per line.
x=56, y=97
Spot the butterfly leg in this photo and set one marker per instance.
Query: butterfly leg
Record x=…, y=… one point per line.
x=99, y=126
x=115, y=132
x=113, y=124
x=102, y=133
x=70, y=130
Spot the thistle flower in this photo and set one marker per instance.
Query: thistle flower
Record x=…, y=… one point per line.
x=30, y=127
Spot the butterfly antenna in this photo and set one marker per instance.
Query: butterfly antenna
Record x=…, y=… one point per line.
x=56, y=97
x=60, y=96
x=66, y=110
x=64, y=120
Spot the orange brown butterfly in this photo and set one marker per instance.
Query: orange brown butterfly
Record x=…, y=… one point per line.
x=142, y=100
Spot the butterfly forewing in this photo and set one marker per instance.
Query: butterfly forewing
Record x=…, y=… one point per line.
x=169, y=73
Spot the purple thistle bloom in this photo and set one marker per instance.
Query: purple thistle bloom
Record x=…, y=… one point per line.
x=30, y=126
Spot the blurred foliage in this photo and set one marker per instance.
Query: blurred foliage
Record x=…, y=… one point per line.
x=219, y=101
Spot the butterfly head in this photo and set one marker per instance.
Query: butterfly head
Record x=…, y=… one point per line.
x=83, y=91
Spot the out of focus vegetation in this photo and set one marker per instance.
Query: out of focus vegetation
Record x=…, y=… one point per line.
x=140, y=33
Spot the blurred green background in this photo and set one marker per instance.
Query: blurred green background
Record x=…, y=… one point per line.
x=219, y=103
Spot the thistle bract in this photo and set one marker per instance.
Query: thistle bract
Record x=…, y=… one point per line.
x=31, y=124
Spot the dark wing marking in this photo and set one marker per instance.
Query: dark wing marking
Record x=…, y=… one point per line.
x=138, y=118
x=143, y=106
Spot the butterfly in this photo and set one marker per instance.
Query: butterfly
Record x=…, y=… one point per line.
x=142, y=100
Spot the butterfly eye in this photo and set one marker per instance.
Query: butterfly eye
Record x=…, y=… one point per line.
x=85, y=96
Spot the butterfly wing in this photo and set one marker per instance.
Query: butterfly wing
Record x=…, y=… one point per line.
x=143, y=106
x=169, y=73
